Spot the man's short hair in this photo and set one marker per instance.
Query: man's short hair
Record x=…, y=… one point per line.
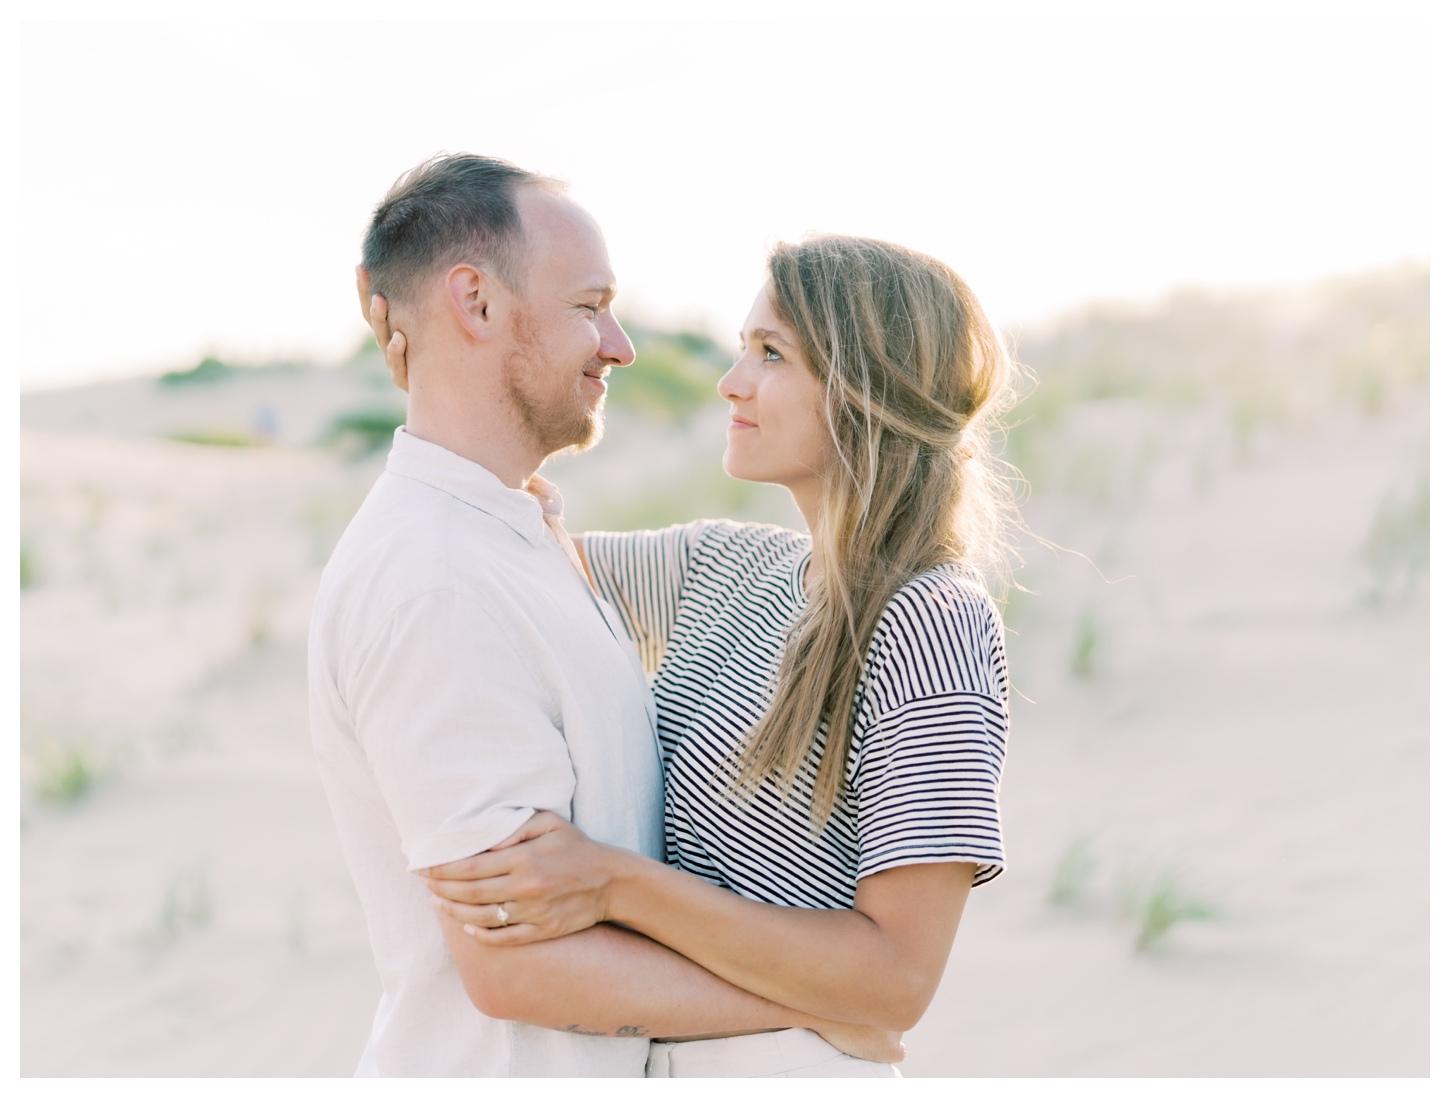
x=456, y=208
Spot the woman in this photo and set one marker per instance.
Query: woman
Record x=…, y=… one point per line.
x=833, y=707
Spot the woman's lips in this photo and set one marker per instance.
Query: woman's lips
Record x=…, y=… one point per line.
x=740, y=423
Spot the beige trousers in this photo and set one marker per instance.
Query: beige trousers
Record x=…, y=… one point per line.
x=787, y=1053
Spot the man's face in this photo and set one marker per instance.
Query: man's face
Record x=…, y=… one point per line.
x=565, y=339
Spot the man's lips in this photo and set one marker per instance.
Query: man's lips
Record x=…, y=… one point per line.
x=594, y=378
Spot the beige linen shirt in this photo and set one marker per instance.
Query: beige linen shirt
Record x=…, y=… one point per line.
x=461, y=676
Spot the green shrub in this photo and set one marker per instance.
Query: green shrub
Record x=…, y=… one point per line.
x=185, y=904
x=1162, y=907
x=365, y=431
x=673, y=375
x=29, y=571
x=210, y=438
x=1397, y=548
x=205, y=372
x=1086, y=648
x=65, y=773
x=1074, y=873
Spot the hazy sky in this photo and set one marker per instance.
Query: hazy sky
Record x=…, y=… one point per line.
x=181, y=190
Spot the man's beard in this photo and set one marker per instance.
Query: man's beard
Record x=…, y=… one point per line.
x=560, y=420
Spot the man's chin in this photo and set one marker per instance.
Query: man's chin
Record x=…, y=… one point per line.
x=590, y=431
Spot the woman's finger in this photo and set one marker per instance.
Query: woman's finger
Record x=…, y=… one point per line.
x=477, y=867
x=540, y=823
x=484, y=915
x=377, y=315
x=396, y=355
x=393, y=344
x=494, y=890
x=513, y=934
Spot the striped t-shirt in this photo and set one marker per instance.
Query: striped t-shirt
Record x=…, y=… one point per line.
x=709, y=605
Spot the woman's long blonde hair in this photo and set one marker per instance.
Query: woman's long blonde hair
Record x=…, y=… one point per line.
x=915, y=378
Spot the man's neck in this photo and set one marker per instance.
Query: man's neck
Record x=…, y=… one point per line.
x=497, y=446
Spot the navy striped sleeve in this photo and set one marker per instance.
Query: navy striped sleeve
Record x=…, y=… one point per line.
x=929, y=758
x=641, y=573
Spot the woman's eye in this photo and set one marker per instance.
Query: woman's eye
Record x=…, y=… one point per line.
x=771, y=354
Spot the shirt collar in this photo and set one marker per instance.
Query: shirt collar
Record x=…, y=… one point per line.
x=468, y=481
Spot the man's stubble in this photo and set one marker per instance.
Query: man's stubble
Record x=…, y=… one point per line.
x=549, y=402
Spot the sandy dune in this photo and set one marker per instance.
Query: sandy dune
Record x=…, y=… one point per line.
x=1239, y=732
x=1257, y=739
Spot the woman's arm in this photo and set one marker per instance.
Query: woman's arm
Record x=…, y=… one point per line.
x=611, y=982
x=877, y=964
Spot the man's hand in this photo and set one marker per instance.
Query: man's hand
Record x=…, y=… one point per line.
x=551, y=878
x=863, y=1042
x=393, y=343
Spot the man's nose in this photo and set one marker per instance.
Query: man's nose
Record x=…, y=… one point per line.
x=614, y=345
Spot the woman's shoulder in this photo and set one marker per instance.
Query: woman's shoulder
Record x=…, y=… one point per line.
x=725, y=544
x=941, y=633
x=949, y=590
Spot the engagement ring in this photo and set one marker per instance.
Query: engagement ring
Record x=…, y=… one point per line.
x=503, y=916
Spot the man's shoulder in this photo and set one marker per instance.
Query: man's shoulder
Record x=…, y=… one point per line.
x=400, y=533
x=409, y=539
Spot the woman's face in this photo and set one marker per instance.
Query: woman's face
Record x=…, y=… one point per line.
x=777, y=431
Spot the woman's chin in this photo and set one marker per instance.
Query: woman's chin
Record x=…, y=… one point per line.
x=737, y=470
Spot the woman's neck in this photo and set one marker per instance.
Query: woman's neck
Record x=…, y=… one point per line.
x=807, y=498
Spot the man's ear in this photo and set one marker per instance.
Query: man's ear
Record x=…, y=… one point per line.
x=473, y=299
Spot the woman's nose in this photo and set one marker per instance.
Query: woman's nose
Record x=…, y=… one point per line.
x=733, y=385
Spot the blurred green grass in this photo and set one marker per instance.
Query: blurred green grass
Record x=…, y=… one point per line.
x=1259, y=359
x=673, y=374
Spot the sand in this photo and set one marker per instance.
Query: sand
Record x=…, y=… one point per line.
x=1257, y=734
x=1248, y=734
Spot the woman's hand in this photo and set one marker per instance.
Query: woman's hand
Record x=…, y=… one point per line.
x=393, y=343
x=864, y=1042
x=550, y=878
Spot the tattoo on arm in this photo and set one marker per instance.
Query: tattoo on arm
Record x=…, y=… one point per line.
x=622, y=1031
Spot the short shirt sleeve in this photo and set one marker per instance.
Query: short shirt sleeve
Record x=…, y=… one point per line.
x=641, y=573
x=933, y=735
x=455, y=730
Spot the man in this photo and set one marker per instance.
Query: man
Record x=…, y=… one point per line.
x=463, y=674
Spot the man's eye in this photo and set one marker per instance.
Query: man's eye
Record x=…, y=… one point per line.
x=594, y=310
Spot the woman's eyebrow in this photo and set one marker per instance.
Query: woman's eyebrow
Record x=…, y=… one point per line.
x=762, y=334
